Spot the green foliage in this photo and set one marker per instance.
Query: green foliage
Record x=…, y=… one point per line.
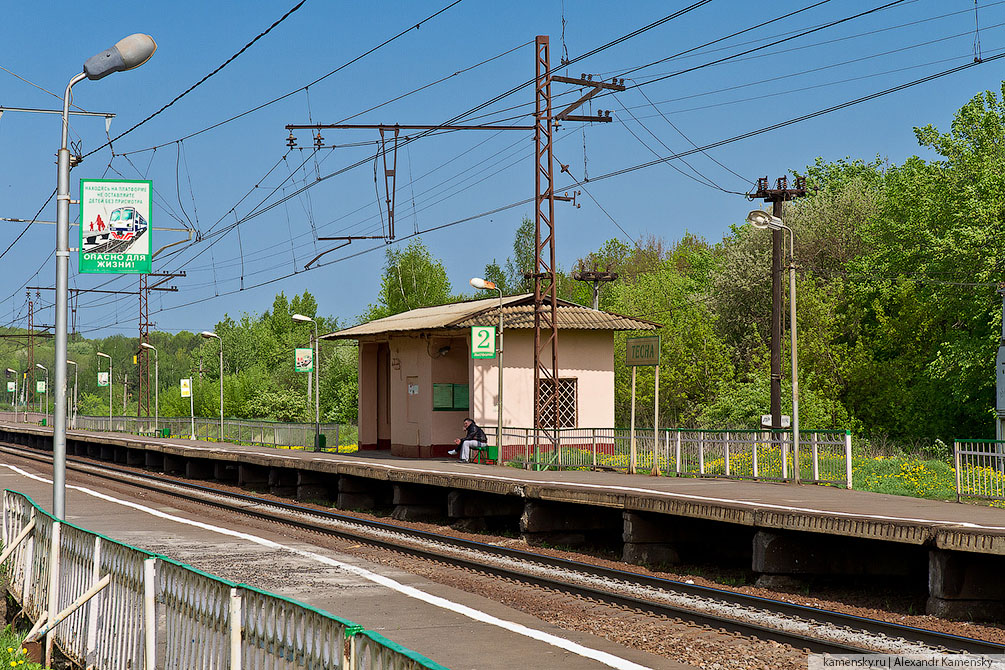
x=412, y=278
x=522, y=259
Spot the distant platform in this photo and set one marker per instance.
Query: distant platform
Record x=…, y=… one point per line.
x=778, y=530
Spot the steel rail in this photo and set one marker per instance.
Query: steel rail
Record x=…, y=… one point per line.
x=933, y=639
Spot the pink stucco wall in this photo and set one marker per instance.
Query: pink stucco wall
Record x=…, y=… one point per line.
x=587, y=355
x=411, y=426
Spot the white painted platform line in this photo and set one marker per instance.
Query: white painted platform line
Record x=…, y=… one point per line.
x=410, y=591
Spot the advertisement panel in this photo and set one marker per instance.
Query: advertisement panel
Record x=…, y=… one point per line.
x=186, y=388
x=115, y=226
x=304, y=361
x=102, y=379
x=40, y=387
x=12, y=387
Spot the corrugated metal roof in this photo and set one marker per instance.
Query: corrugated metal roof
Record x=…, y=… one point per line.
x=570, y=316
x=518, y=311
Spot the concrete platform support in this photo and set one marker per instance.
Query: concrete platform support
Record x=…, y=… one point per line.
x=174, y=465
x=783, y=559
x=197, y=468
x=316, y=486
x=254, y=477
x=153, y=460
x=134, y=457
x=474, y=511
x=414, y=502
x=966, y=586
x=569, y=525
x=119, y=455
x=94, y=451
x=655, y=539
x=362, y=493
x=106, y=452
x=225, y=472
x=283, y=482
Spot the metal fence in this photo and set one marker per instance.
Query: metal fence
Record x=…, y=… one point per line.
x=339, y=438
x=824, y=455
x=980, y=469
x=147, y=611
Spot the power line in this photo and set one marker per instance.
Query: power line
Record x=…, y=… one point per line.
x=305, y=87
x=198, y=83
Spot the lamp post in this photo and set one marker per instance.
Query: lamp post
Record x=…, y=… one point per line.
x=109, y=387
x=479, y=283
x=764, y=221
x=73, y=402
x=13, y=395
x=209, y=335
x=42, y=367
x=157, y=386
x=127, y=53
x=317, y=381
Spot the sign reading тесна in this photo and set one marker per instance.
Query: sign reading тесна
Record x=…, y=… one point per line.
x=642, y=350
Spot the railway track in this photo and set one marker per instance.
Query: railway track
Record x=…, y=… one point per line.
x=800, y=626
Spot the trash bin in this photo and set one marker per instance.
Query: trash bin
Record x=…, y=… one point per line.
x=320, y=441
x=44, y=422
x=165, y=432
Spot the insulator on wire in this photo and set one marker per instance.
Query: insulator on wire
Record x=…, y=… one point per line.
x=291, y=141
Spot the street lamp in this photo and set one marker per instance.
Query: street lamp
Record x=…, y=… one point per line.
x=317, y=381
x=42, y=367
x=479, y=283
x=764, y=221
x=209, y=335
x=109, y=387
x=157, y=386
x=73, y=414
x=127, y=53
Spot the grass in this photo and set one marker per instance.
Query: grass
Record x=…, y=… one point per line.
x=12, y=654
x=913, y=475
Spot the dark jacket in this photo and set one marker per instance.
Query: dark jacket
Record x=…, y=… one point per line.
x=475, y=433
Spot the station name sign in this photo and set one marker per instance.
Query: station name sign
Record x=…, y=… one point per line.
x=642, y=351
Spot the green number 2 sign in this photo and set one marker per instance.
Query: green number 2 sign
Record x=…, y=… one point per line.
x=483, y=342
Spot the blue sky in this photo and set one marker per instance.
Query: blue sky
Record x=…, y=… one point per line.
x=219, y=177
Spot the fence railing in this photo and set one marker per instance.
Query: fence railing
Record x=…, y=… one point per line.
x=824, y=455
x=339, y=438
x=980, y=469
x=158, y=613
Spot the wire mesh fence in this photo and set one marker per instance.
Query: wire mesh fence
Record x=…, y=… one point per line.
x=337, y=438
x=980, y=469
x=821, y=456
x=157, y=613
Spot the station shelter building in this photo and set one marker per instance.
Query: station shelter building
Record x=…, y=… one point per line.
x=418, y=381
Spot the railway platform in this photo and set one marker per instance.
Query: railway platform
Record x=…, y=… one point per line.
x=453, y=628
x=783, y=532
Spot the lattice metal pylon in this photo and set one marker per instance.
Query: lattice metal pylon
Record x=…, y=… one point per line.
x=546, y=419
x=29, y=380
x=142, y=357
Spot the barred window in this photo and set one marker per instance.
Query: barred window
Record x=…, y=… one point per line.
x=568, y=414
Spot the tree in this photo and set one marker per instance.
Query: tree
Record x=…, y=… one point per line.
x=522, y=259
x=412, y=278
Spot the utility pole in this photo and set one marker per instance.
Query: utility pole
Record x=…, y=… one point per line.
x=595, y=278
x=776, y=196
x=143, y=360
x=546, y=387
x=546, y=403
x=31, y=348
